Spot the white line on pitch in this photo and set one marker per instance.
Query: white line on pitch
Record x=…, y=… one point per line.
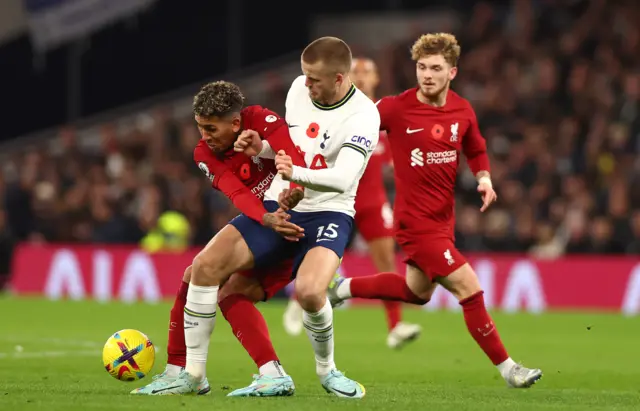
x=47, y=354
x=54, y=341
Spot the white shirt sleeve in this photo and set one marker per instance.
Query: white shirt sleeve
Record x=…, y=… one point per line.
x=336, y=179
x=267, y=151
x=359, y=136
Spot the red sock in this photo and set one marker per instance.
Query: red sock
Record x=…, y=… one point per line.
x=249, y=327
x=394, y=313
x=384, y=286
x=482, y=329
x=176, y=348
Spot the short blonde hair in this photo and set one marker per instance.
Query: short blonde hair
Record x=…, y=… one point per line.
x=332, y=51
x=431, y=44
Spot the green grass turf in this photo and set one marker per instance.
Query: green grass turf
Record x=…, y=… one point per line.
x=591, y=361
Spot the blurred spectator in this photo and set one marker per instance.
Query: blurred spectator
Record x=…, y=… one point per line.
x=6, y=249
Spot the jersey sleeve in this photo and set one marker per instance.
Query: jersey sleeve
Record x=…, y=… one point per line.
x=384, y=106
x=223, y=179
x=358, y=135
x=275, y=131
x=474, y=146
x=262, y=120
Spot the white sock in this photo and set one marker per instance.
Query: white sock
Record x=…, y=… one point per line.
x=319, y=327
x=172, y=370
x=344, y=289
x=272, y=369
x=199, y=320
x=505, y=366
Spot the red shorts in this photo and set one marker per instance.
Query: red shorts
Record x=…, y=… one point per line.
x=436, y=256
x=375, y=222
x=272, y=279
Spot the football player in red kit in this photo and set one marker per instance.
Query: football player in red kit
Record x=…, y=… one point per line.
x=374, y=219
x=427, y=127
x=220, y=118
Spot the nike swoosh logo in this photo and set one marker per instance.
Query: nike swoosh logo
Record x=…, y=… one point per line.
x=410, y=131
x=348, y=394
x=293, y=125
x=188, y=328
x=162, y=389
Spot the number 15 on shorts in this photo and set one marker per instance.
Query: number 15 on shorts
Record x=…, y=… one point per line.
x=327, y=232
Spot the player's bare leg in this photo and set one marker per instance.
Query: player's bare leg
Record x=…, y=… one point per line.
x=237, y=304
x=464, y=285
x=315, y=273
x=225, y=254
x=383, y=254
x=176, y=347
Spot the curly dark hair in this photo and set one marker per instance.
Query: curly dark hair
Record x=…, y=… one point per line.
x=218, y=99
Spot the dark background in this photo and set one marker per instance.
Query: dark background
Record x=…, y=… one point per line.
x=168, y=46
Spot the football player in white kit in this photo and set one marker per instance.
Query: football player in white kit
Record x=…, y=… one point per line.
x=335, y=127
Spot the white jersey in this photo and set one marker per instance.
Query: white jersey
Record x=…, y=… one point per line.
x=321, y=133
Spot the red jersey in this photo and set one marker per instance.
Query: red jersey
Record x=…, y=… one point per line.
x=425, y=144
x=371, y=191
x=241, y=178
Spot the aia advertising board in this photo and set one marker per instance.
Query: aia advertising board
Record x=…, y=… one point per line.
x=511, y=283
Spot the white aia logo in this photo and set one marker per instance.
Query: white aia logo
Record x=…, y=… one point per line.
x=417, y=157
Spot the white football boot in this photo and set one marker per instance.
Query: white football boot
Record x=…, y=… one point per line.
x=292, y=319
x=402, y=334
x=520, y=376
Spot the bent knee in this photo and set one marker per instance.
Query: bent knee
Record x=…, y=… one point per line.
x=421, y=298
x=207, y=267
x=462, y=283
x=310, y=296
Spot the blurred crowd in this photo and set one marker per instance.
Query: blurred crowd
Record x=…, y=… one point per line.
x=556, y=87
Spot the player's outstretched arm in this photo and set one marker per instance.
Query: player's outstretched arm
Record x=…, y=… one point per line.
x=474, y=148
x=223, y=179
x=250, y=143
x=266, y=134
x=337, y=179
x=245, y=201
x=359, y=136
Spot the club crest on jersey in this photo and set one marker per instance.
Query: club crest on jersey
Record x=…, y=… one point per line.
x=270, y=118
x=454, y=133
x=256, y=160
x=325, y=137
x=203, y=167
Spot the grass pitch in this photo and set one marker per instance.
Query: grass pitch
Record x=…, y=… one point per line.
x=50, y=359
